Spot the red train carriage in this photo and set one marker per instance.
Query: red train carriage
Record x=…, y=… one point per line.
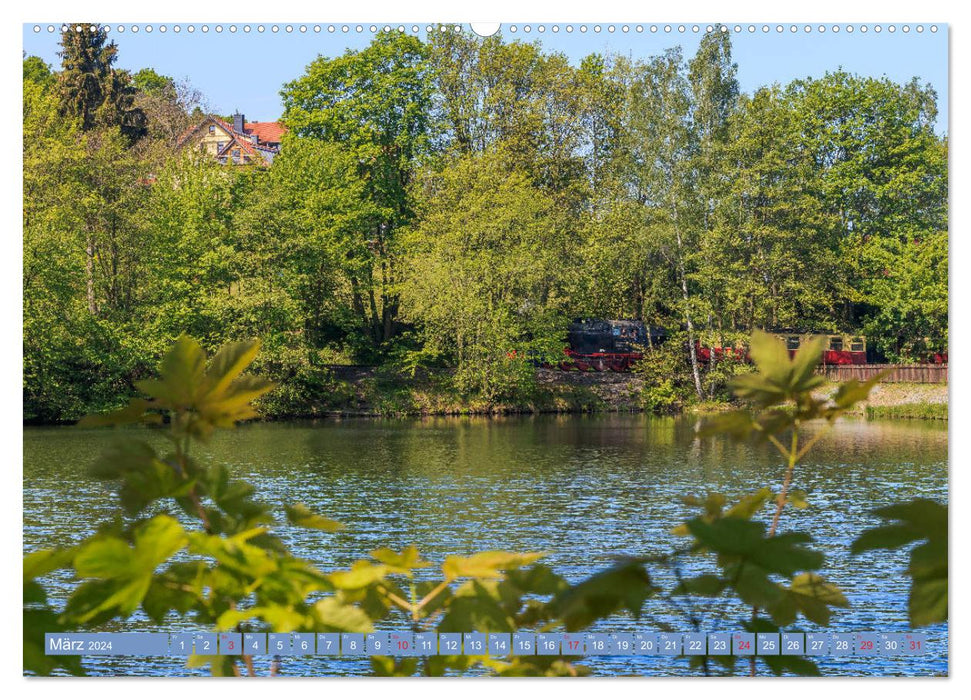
x=838, y=348
x=615, y=345
x=706, y=352
x=841, y=349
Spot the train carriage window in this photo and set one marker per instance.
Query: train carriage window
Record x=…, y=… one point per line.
x=792, y=342
x=836, y=343
x=856, y=345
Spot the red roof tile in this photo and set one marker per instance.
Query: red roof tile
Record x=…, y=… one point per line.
x=266, y=132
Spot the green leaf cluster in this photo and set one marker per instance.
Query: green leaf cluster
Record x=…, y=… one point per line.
x=925, y=522
x=772, y=572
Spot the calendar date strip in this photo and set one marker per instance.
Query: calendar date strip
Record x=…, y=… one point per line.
x=491, y=644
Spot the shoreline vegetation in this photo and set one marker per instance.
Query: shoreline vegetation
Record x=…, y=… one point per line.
x=348, y=391
x=376, y=393
x=356, y=391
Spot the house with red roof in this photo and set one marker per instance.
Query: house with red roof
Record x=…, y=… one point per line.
x=238, y=143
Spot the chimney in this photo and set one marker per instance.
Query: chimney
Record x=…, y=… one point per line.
x=238, y=121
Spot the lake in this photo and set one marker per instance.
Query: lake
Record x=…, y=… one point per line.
x=584, y=489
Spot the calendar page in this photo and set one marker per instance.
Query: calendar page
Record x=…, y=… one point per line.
x=480, y=350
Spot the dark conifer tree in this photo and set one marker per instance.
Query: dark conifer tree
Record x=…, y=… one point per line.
x=91, y=89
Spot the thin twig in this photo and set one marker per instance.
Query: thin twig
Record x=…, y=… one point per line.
x=812, y=441
x=397, y=600
x=428, y=598
x=787, y=479
x=792, y=455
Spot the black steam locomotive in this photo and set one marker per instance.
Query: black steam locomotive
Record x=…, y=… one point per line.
x=596, y=344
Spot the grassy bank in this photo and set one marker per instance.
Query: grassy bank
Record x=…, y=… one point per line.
x=902, y=400
x=924, y=411
x=435, y=395
x=903, y=394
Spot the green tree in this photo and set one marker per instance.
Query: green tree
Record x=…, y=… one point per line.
x=909, y=296
x=189, y=248
x=603, y=90
x=882, y=172
x=662, y=172
x=714, y=87
x=37, y=71
x=55, y=317
x=101, y=100
x=376, y=104
x=772, y=257
x=714, y=98
x=625, y=272
x=147, y=80
x=314, y=202
x=486, y=275
x=512, y=96
x=82, y=261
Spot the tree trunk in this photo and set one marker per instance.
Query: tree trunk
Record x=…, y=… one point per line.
x=692, y=350
x=375, y=317
x=89, y=274
x=389, y=312
x=357, y=302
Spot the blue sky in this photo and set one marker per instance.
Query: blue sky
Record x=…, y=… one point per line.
x=245, y=71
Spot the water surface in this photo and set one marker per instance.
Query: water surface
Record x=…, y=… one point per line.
x=584, y=489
